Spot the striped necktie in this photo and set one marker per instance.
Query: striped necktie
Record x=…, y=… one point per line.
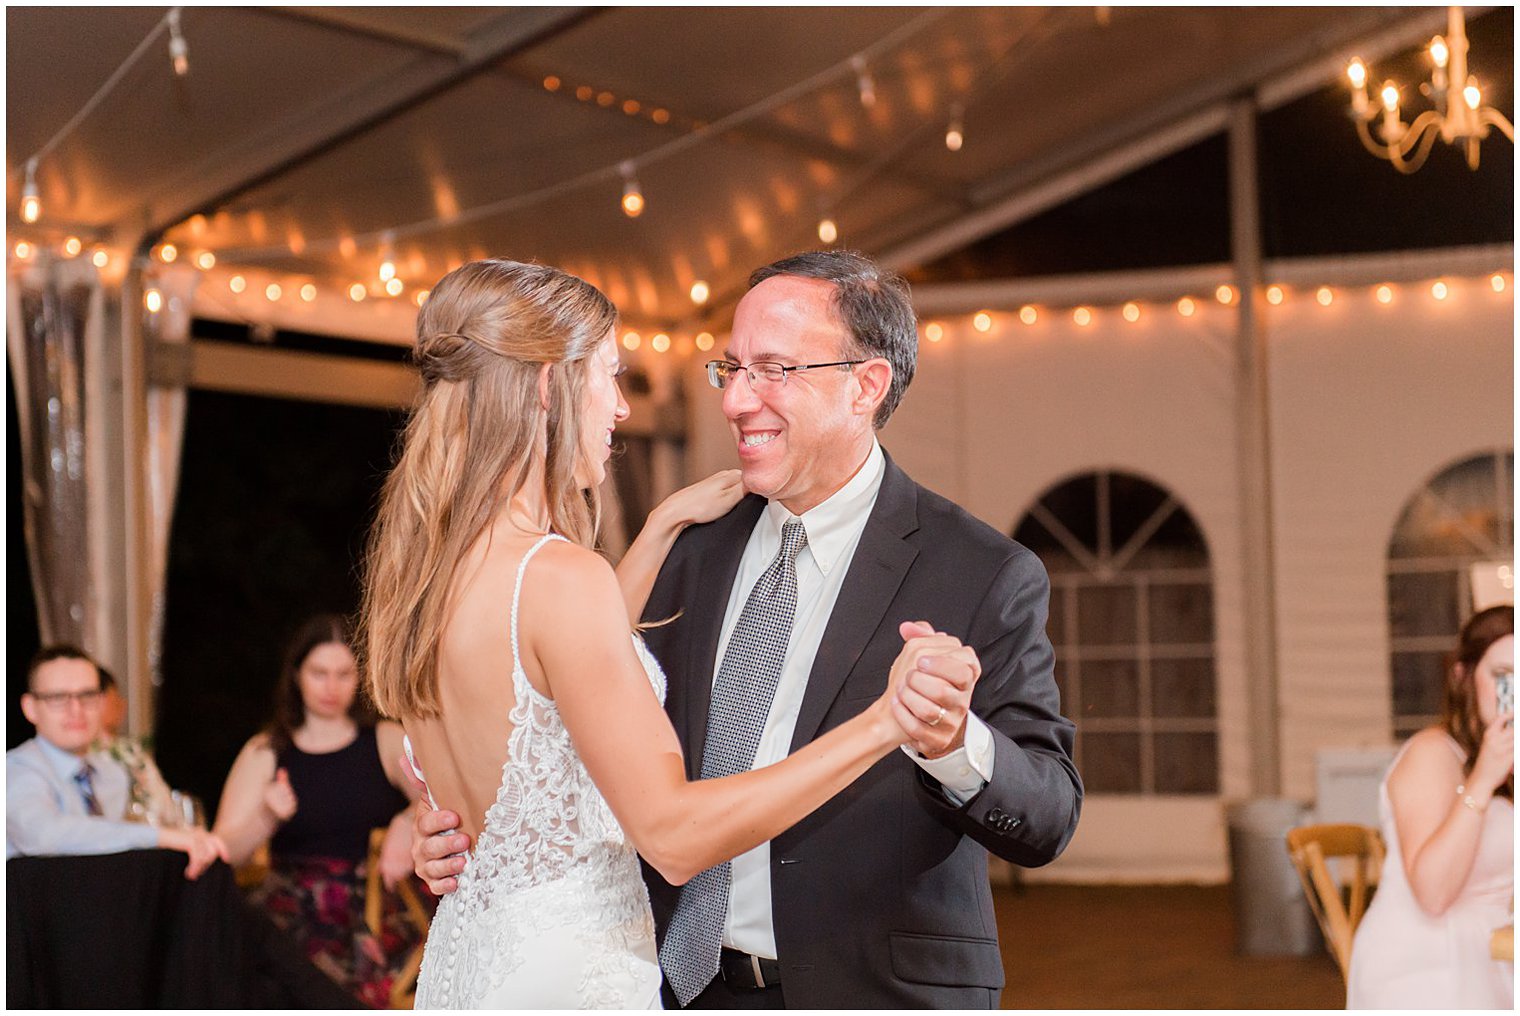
x=84, y=780
x=741, y=701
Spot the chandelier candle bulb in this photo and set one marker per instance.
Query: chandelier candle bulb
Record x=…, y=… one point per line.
x=827, y=231
x=1357, y=73
x=633, y=198
x=31, y=198
x=154, y=301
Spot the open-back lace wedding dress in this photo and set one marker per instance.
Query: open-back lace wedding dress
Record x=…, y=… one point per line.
x=551, y=910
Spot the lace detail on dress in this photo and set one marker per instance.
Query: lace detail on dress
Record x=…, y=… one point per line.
x=551, y=864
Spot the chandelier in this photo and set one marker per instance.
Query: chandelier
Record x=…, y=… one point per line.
x=1458, y=116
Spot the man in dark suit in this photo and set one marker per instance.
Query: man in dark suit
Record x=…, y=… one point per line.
x=881, y=897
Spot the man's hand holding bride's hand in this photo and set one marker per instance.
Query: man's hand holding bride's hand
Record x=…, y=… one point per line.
x=703, y=501
x=437, y=849
x=932, y=679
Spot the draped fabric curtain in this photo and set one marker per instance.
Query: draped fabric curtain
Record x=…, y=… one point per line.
x=51, y=308
x=167, y=329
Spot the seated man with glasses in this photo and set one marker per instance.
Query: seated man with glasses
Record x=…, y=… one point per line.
x=63, y=795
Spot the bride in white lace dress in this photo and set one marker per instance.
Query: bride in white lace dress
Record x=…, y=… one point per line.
x=502, y=642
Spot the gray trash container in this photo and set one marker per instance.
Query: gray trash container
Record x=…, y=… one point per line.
x=1272, y=917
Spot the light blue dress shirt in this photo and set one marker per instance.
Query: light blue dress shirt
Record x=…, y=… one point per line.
x=45, y=813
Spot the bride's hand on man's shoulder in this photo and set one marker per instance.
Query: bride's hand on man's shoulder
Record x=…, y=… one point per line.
x=704, y=500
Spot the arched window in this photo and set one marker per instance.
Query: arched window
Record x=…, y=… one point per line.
x=1132, y=622
x=1458, y=522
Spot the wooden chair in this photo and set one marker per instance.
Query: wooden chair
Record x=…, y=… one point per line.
x=404, y=989
x=1337, y=905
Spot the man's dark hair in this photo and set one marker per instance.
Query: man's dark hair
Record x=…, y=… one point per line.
x=58, y=651
x=873, y=305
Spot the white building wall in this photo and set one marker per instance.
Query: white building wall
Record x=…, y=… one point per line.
x=1368, y=402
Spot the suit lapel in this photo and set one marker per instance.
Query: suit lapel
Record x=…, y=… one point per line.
x=881, y=562
x=715, y=567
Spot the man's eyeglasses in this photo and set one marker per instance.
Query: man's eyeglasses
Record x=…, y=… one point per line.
x=61, y=699
x=762, y=374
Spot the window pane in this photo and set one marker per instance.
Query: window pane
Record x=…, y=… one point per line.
x=1075, y=503
x=1110, y=763
x=1187, y=763
x=1464, y=512
x=1132, y=501
x=1417, y=680
x=1110, y=688
x=1182, y=688
x=1051, y=552
x=1177, y=544
x=1106, y=615
x=1182, y=613
x=1055, y=628
x=1423, y=603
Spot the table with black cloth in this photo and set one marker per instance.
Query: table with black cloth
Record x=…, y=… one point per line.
x=130, y=931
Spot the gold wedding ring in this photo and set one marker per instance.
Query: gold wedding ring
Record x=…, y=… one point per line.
x=936, y=721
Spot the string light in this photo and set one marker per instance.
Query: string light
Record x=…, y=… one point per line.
x=1028, y=315
x=863, y=81
x=237, y=283
x=421, y=296
x=982, y=322
x=387, y=270
x=584, y=93
x=551, y=83
x=72, y=246
x=179, y=53
x=154, y=301
x=1384, y=294
x=660, y=116
x=394, y=287
x=1324, y=295
x=308, y=292
x=631, y=107
x=1186, y=307
x=100, y=258
x=205, y=260
x=699, y=292
x=1440, y=291
x=31, y=199
x=1225, y=295
x=631, y=340
x=356, y=292
x=934, y=331
x=704, y=341
x=1082, y=316
x=827, y=231
x=273, y=292
x=633, y=198
x=1497, y=281
x=1274, y=295
x=605, y=99
x=660, y=342
x=23, y=251
x=167, y=253
x=955, y=134
x=1131, y=312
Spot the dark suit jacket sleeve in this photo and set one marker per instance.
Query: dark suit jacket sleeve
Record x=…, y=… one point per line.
x=1028, y=810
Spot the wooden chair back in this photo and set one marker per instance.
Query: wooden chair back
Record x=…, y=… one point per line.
x=404, y=988
x=1338, y=907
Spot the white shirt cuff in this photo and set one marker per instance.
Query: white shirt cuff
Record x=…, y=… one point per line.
x=964, y=772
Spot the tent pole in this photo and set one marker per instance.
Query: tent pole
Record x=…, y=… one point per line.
x=1258, y=558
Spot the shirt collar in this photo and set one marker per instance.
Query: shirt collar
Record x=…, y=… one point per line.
x=64, y=763
x=833, y=525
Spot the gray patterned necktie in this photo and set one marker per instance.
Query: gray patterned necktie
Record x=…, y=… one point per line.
x=84, y=779
x=741, y=701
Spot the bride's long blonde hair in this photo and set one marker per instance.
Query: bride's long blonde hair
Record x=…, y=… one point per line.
x=477, y=434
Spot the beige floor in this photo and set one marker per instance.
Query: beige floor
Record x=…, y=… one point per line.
x=1145, y=947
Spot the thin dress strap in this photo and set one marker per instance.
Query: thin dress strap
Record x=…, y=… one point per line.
x=517, y=598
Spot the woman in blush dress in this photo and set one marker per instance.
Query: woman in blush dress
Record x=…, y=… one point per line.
x=1447, y=807
x=503, y=642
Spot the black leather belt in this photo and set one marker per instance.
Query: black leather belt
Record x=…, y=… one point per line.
x=741, y=970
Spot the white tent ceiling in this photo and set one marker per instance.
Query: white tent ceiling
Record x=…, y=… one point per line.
x=303, y=141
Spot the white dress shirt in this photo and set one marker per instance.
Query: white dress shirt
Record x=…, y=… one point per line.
x=833, y=529
x=45, y=813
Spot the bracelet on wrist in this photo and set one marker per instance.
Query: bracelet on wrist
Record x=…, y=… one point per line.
x=1469, y=802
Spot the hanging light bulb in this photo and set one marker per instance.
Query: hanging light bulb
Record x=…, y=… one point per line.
x=1028, y=315
x=827, y=231
x=704, y=341
x=1440, y=291
x=1082, y=316
x=273, y=292
x=700, y=292
x=387, y=270
x=934, y=331
x=72, y=246
x=154, y=301
x=31, y=200
x=955, y=134
x=237, y=283
x=420, y=297
x=1186, y=307
x=1274, y=295
x=864, y=81
x=179, y=53
x=205, y=261
x=356, y=292
x=1496, y=280
x=167, y=253
x=633, y=198
x=1325, y=295
x=308, y=292
x=982, y=322
x=393, y=286
x=23, y=250
x=100, y=258
x=631, y=340
x=660, y=343
x=1131, y=312
x=1225, y=295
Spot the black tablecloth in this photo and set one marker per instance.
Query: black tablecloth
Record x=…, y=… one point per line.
x=128, y=931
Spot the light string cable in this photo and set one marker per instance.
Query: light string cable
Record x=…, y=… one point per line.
x=610, y=172
x=104, y=90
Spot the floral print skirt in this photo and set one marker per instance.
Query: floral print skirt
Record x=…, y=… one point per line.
x=319, y=901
